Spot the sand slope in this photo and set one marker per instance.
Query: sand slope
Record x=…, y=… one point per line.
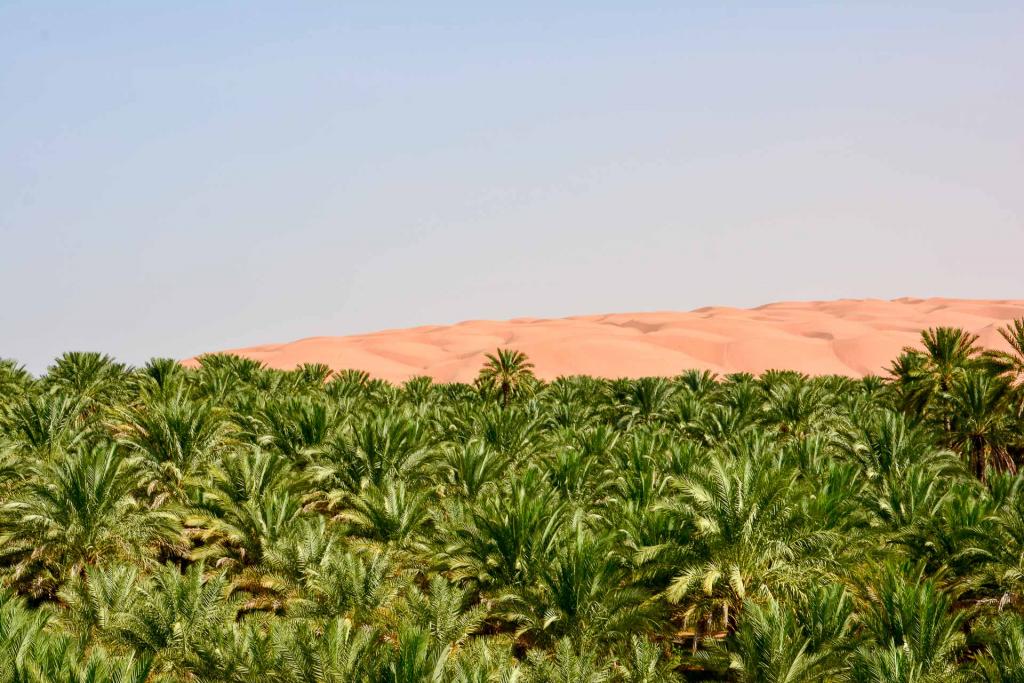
x=849, y=337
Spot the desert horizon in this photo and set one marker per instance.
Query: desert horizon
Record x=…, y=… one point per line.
x=852, y=337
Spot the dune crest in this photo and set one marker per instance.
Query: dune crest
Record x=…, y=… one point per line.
x=847, y=337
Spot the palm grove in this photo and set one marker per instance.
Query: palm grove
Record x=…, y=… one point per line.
x=236, y=523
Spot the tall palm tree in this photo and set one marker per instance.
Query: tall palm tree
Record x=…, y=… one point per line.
x=948, y=350
x=1009, y=363
x=927, y=376
x=980, y=424
x=508, y=371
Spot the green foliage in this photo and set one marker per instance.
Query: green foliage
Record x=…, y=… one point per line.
x=233, y=523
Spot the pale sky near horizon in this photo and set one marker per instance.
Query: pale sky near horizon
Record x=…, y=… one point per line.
x=203, y=175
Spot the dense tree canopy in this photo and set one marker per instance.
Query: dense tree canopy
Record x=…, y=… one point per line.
x=232, y=523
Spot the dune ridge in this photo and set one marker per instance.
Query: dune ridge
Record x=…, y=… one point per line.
x=853, y=337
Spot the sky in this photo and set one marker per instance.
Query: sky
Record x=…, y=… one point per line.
x=177, y=178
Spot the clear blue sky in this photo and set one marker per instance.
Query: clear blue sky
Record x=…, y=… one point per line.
x=204, y=175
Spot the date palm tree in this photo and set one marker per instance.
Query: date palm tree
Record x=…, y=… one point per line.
x=381, y=448
x=97, y=602
x=337, y=652
x=509, y=534
x=44, y=425
x=750, y=537
x=444, y=610
x=177, y=439
x=928, y=375
x=568, y=663
x=362, y=587
x=507, y=371
x=482, y=661
x=78, y=511
x=472, y=465
x=90, y=376
x=391, y=514
x=298, y=427
x=61, y=662
x=770, y=647
x=15, y=380
x=645, y=662
x=647, y=400
x=980, y=425
x=584, y=594
x=1003, y=660
x=22, y=634
x=1009, y=363
x=178, y=617
x=913, y=613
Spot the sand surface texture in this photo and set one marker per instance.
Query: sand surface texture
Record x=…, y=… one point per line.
x=848, y=337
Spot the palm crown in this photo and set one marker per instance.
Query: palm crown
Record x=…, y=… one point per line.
x=507, y=370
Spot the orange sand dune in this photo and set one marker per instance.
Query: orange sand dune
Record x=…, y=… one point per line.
x=848, y=337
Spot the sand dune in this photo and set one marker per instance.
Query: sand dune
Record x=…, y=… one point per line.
x=849, y=337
